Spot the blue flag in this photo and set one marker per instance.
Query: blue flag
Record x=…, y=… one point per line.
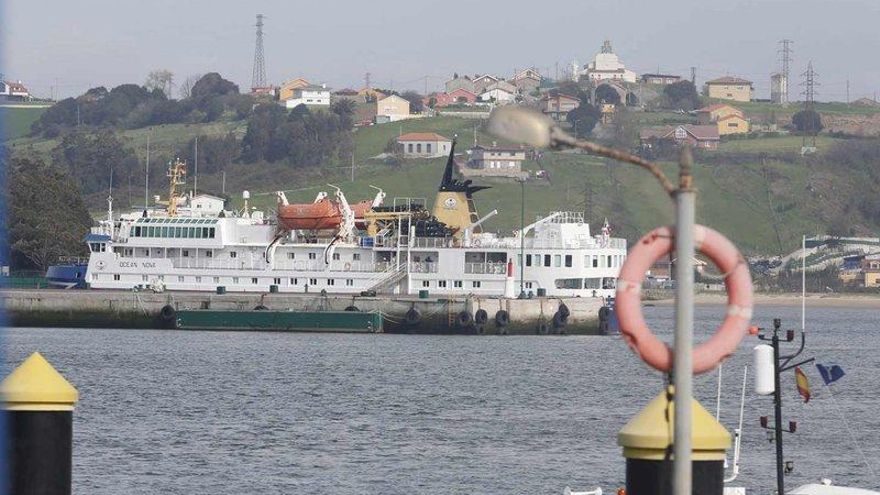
x=830, y=374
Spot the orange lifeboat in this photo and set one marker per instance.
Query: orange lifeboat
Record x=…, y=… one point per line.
x=324, y=214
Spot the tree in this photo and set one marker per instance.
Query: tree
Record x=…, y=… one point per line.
x=607, y=94
x=89, y=157
x=185, y=90
x=160, y=79
x=47, y=217
x=415, y=101
x=682, y=95
x=583, y=119
x=212, y=84
x=807, y=121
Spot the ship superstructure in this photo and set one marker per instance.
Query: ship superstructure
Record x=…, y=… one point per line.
x=196, y=244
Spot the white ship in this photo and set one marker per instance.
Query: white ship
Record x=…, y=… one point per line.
x=194, y=244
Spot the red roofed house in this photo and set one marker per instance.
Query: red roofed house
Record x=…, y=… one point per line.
x=729, y=120
x=459, y=95
x=698, y=136
x=423, y=145
x=12, y=90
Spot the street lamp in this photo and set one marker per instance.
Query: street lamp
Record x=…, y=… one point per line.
x=531, y=127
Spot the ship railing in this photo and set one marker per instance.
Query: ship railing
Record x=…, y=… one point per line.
x=73, y=260
x=423, y=267
x=394, y=273
x=490, y=268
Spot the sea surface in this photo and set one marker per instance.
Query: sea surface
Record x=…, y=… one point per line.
x=245, y=413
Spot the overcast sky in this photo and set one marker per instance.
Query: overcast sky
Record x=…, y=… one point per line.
x=73, y=45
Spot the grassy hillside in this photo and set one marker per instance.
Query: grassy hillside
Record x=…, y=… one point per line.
x=15, y=122
x=763, y=208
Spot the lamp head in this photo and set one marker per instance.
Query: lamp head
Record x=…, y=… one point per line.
x=521, y=125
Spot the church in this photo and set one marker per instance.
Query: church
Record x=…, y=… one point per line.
x=607, y=66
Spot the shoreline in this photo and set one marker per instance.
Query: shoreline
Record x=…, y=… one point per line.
x=790, y=300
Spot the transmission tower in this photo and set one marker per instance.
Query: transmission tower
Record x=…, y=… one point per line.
x=367, y=80
x=809, y=93
x=259, y=79
x=786, y=52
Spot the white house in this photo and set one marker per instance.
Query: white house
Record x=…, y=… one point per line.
x=501, y=93
x=423, y=145
x=13, y=90
x=606, y=65
x=309, y=95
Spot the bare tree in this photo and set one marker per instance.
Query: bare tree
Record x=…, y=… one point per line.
x=161, y=79
x=187, y=85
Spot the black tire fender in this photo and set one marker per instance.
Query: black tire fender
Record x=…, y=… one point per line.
x=502, y=318
x=464, y=319
x=481, y=317
x=413, y=317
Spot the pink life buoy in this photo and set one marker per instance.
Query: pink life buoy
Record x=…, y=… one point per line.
x=657, y=244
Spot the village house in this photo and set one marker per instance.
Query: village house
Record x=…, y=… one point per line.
x=557, y=106
x=501, y=93
x=13, y=90
x=285, y=91
x=496, y=161
x=527, y=80
x=871, y=269
x=606, y=65
x=423, y=145
x=346, y=94
x=459, y=82
x=312, y=95
x=459, y=96
x=483, y=82
x=729, y=120
x=662, y=79
x=729, y=88
x=697, y=136
x=391, y=109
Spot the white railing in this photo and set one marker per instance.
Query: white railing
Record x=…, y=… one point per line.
x=488, y=268
x=423, y=267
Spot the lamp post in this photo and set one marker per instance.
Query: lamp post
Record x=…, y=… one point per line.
x=534, y=128
x=522, y=240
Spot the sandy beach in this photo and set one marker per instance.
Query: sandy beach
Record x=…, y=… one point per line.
x=813, y=300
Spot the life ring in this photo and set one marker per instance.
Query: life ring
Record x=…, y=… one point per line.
x=656, y=245
x=481, y=317
x=347, y=266
x=413, y=317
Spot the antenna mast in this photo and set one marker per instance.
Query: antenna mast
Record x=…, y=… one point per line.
x=259, y=77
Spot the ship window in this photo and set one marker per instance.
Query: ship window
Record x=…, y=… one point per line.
x=609, y=260
x=557, y=260
x=441, y=283
x=254, y=280
x=528, y=285
x=294, y=281
x=115, y=276
x=595, y=262
x=313, y=281
x=609, y=283
x=312, y=256
x=291, y=256
x=457, y=284
x=592, y=283
x=528, y=260
x=349, y=282
x=426, y=283
x=150, y=231
x=569, y=283
x=164, y=232
x=335, y=256
x=198, y=280
x=187, y=232
x=234, y=280
x=476, y=284
x=356, y=256
x=211, y=232
x=331, y=281
x=137, y=231
x=546, y=260
x=176, y=232
x=145, y=278
x=568, y=260
x=233, y=254
x=216, y=280
x=277, y=281
x=209, y=254
x=180, y=278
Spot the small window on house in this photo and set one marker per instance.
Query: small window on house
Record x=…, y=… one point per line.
x=409, y=148
x=418, y=147
x=428, y=148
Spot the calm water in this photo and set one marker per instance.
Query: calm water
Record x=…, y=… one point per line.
x=233, y=413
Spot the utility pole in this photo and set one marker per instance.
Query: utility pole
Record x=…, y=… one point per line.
x=694, y=76
x=786, y=51
x=196, y=166
x=809, y=93
x=259, y=75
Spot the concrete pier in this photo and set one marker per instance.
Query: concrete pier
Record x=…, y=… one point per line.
x=127, y=309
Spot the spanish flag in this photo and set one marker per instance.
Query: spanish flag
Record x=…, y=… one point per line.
x=803, y=384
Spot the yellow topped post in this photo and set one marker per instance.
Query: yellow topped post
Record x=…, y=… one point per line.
x=40, y=404
x=647, y=446
x=36, y=386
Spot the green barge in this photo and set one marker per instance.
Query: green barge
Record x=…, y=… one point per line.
x=281, y=321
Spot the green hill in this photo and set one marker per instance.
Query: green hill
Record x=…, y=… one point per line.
x=764, y=208
x=16, y=121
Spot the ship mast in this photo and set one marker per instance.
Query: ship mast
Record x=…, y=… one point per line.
x=176, y=177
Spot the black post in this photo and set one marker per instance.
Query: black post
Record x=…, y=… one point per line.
x=522, y=241
x=777, y=403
